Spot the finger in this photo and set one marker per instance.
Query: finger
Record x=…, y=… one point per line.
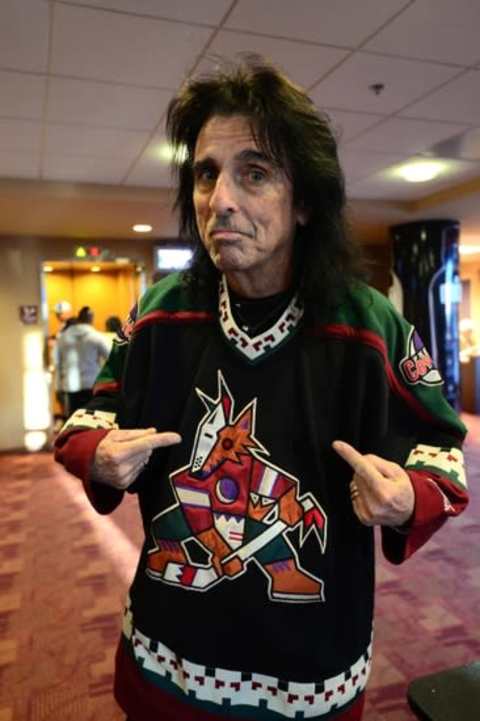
x=364, y=469
x=132, y=433
x=144, y=446
x=158, y=440
x=131, y=472
x=354, y=490
x=360, y=508
x=138, y=468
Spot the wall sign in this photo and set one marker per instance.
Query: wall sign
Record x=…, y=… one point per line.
x=28, y=314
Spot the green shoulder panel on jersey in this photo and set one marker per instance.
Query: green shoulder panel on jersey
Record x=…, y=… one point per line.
x=369, y=317
x=168, y=294
x=108, y=380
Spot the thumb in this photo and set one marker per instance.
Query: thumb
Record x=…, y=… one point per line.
x=385, y=467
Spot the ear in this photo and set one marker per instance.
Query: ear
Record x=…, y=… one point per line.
x=302, y=215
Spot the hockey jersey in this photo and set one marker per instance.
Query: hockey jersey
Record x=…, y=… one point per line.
x=253, y=597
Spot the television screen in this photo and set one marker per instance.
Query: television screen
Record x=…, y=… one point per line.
x=172, y=258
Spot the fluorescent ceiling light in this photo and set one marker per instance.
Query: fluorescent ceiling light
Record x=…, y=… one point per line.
x=142, y=228
x=169, y=154
x=469, y=249
x=420, y=171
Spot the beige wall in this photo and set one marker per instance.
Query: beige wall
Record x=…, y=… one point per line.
x=470, y=270
x=20, y=270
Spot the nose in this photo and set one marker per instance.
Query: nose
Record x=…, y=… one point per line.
x=223, y=197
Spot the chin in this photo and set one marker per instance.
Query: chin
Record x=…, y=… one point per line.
x=227, y=261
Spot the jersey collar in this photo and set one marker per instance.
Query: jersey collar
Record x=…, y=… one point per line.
x=263, y=344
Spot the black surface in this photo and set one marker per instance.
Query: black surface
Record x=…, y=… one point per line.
x=451, y=695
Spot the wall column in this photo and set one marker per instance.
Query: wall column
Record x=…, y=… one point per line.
x=425, y=260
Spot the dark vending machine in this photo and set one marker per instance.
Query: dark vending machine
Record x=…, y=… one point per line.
x=425, y=260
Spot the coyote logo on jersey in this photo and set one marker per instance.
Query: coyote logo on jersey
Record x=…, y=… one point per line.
x=238, y=507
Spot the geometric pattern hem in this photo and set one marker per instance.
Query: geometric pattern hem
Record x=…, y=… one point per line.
x=224, y=688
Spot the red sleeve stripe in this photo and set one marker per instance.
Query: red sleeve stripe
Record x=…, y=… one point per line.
x=174, y=317
x=102, y=387
x=369, y=338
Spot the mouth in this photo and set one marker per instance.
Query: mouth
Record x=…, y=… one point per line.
x=225, y=233
x=228, y=235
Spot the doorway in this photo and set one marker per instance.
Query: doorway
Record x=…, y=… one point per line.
x=109, y=288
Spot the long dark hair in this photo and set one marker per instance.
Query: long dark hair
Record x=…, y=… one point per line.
x=293, y=133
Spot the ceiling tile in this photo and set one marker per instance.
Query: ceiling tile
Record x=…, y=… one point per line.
x=98, y=142
x=463, y=146
x=405, y=81
x=152, y=169
x=209, y=12
x=84, y=169
x=21, y=135
x=405, y=136
x=21, y=95
x=116, y=106
x=358, y=164
x=342, y=22
x=373, y=188
x=103, y=45
x=303, y=63
x=346, y=125
x=385, y=184
x=458, y=101
x=24, y=30
x=434, y=30
x=19, y=164
x=150, y=174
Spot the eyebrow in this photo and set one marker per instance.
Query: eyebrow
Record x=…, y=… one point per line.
x=255, y=156
x=247, y=156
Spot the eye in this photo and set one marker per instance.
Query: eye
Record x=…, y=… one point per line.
x=205, y=177
x=256, y=175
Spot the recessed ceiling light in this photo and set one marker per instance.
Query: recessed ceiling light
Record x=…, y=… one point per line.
x=420, y=171
x=142, y=228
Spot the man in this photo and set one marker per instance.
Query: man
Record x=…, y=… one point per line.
x=253, y=597
x=79, y=354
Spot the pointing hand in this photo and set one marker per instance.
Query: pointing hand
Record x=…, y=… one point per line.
x=381, y=491
x=123, y=454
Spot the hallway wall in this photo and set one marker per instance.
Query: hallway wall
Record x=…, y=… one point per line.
x=20, y=267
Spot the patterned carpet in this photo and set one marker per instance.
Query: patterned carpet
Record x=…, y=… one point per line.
x=64, y=572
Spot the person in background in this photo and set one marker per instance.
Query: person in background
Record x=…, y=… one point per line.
x=113, y=329
x=80, y=352
x=65, y=318
x=269, y=409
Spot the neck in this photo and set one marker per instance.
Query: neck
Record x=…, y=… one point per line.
x=262, y=286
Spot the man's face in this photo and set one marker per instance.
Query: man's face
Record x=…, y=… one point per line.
x=244, y=208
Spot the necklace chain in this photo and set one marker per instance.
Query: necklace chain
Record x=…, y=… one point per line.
x=252, y=327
